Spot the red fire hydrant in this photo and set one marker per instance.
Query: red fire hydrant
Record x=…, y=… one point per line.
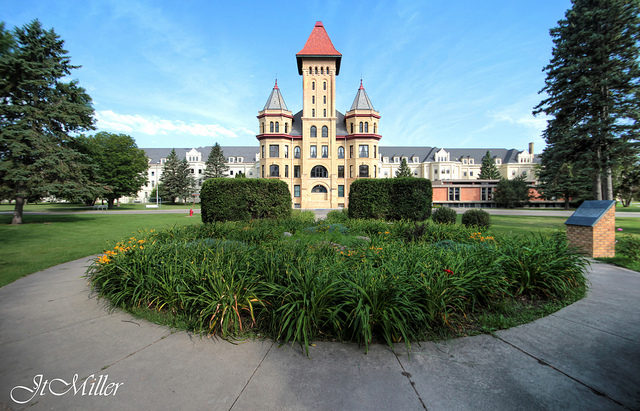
x=191, y=212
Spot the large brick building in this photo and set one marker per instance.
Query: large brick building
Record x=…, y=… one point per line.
x=319, y=150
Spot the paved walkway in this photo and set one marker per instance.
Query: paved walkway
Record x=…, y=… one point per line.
x=586, y=356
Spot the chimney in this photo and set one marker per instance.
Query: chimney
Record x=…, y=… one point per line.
x=531, y=148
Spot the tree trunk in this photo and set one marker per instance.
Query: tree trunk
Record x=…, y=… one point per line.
x=597, y=184
x=609, y=184
x=17, y=211
x=110, y=202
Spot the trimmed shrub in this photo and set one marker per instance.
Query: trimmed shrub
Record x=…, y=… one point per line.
x=338, y=216
x=244, y=199
x=391, y=199
x=478, y=218
x=444, y=215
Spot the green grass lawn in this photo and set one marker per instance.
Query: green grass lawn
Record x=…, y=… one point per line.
x=634, y=207
x=46, y=240
x=57, y=207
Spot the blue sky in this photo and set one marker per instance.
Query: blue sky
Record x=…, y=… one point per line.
x=190, y=73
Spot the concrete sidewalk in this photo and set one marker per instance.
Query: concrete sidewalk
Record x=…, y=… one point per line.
x=586, y=356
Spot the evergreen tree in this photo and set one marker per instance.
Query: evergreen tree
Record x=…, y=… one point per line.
x=562, y=179
x=38, y=112
x=215, y=165
x=511, y=193
x=628, y=182
x=176, y=179
x=404, y=170
x=240, y=174
x=593, y=89
x=488, y=169
x=121, y=167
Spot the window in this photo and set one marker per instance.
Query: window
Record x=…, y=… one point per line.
x=321, y=70
x=324, y=99
x=313, y=112
x=262, y=152
x=340, y=171
x=316, y=70
x=262, y=128
x=470, y=173
x=327, y=70
x=363, y=171
x=366, y=127
x=324, y=85
x=277, y=127
x=286, y=128
x=318, y=172
x=296, y=171
x=325, y=151
x=271, y=127
x=240, y=159
x=192, y=171
x=314, y=131
x=361, y=127
x=319, y=189
x=263, y=172
x=296, y=191
x=350, y=171
x=274, y=171
x=314, y=151
x=313, y=99
x=485, y=194
x=286, y=170
x=454, y=194
x=340, y=152
x=152, y=173
x=200, y=171
x=286, y=151
x=324, y=112
x=274, y=150
x=340, y=191
x=313, y=83
x=325, y=131
x=231, y=172
x=351, y=128
x=374, y=128
x=350, y=151
x=364, y=150
x=296, y=152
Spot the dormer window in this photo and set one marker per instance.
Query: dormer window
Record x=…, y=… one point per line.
x=231, y=160
x=240, y=159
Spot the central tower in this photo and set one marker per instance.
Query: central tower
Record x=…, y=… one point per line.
x=316, y=155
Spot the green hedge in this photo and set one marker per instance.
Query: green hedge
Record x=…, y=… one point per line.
x=391, y=199
x=224, y=199
x=478, y=218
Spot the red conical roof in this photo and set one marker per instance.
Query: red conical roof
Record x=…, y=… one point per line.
x=318, y=45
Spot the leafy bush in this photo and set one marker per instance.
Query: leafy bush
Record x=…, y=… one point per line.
x=629, y=246
x=226, y=199
x=478, y=218
x=444, y=215
x=391, y=199
x=338, y=216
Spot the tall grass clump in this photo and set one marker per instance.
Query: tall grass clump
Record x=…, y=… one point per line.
x=365, y=281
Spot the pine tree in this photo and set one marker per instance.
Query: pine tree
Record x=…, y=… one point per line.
x=39, y=111
x=215, y=165
x=593, y=89
x=488, y=169
x=176, y=178
x=511, y=193
x=404, y=170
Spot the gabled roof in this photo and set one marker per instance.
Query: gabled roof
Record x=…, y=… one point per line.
x=275, y=100
x=318, y=45
x=361, y=102
x=249, y=153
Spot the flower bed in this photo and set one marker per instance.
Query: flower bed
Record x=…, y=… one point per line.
x=362, y=280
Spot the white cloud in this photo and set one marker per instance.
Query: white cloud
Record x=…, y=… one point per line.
x=136, y=123
x=539, y=123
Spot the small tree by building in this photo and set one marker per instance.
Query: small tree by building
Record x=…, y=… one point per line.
x=488, y=169
x=404, y=170
x=240, y=174
x=215, y=165
x=511, y=193
x=176, y=178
